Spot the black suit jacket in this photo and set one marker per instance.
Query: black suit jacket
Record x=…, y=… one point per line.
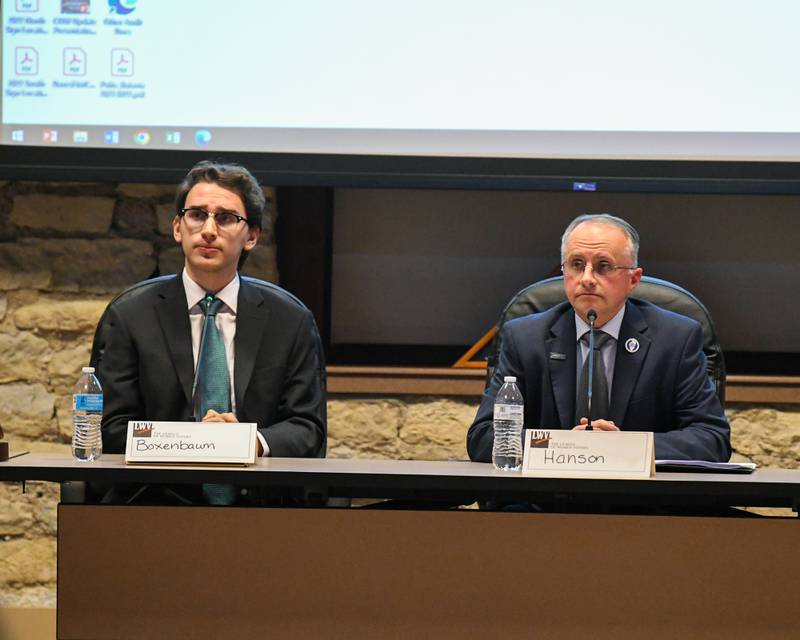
x=663, y=387
x=145, y=365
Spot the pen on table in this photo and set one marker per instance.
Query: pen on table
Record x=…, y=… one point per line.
x=17, y=455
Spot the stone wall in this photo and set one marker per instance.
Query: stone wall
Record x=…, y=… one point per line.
x=67, y=249
x=400, y=428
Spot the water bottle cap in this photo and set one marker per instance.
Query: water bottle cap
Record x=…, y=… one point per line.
x=87, y=370
x=510, y=379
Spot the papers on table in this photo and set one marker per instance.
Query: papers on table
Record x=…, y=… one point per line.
x=705, y=467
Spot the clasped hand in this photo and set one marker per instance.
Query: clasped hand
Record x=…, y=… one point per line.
x=597, y=425
x=216, y=416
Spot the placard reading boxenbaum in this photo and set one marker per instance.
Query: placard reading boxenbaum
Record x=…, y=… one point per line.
x=191, y=442
x=588, y=454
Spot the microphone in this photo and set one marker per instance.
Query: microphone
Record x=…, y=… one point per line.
x=591, y=316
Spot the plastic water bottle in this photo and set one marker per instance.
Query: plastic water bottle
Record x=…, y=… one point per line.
x=509, y=415
x=87, y=413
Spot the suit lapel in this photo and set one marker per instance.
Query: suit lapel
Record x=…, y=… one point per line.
x=629, y=361
x=251, y=318
x=173, y=316
x=562, y=370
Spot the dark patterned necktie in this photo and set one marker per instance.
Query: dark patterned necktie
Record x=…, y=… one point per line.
x=600, y=408
x=213, y=386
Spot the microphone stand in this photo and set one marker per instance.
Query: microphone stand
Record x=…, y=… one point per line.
x=592, y=317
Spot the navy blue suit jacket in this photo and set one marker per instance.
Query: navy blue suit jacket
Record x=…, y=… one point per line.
x=663, y=387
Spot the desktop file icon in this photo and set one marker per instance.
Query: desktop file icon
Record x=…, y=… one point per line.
x=26, y=61
x=74, y=61
x=27, y=6
x=121, y=62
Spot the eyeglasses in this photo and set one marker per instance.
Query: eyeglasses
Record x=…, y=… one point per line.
x=602, y=268
x=196, y=217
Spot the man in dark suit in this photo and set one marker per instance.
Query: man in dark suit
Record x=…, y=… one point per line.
x=653, y=361
x=270, y=370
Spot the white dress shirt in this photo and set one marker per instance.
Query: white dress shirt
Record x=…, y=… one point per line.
x=226, y=324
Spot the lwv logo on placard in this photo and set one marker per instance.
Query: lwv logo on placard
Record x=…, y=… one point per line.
x=142, y=430
x=540, y=439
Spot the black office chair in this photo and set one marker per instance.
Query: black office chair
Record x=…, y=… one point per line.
x=544, y=294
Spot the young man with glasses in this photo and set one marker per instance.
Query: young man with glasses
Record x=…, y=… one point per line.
x=207, y=344
x=652, y=370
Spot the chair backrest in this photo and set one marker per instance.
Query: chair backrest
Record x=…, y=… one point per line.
x=99, y=340
x=544, y=294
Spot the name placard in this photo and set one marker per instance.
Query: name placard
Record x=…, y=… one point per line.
x=191, y=442
x=588, y=454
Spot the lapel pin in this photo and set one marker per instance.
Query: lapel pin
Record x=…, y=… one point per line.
x=558, y=356
x=631, y=345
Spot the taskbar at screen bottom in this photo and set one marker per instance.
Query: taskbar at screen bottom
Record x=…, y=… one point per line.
x=175, y=138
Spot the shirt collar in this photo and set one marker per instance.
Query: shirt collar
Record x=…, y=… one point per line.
x=611, y=327
x=229, y=294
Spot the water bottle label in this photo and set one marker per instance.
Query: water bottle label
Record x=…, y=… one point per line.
x=87, y=402
x=509, y=412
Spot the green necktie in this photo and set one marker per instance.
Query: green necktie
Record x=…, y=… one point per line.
x=213, y=380
x=213, y=386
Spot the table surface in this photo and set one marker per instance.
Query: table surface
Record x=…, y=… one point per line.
x=418, y=480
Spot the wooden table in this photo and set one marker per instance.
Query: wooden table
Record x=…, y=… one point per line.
x=212, y=572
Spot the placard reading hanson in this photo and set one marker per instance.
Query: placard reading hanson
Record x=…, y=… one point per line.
x=588, y=454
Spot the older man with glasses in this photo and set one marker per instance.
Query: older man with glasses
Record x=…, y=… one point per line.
x=209, y=345
x=650, y=371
